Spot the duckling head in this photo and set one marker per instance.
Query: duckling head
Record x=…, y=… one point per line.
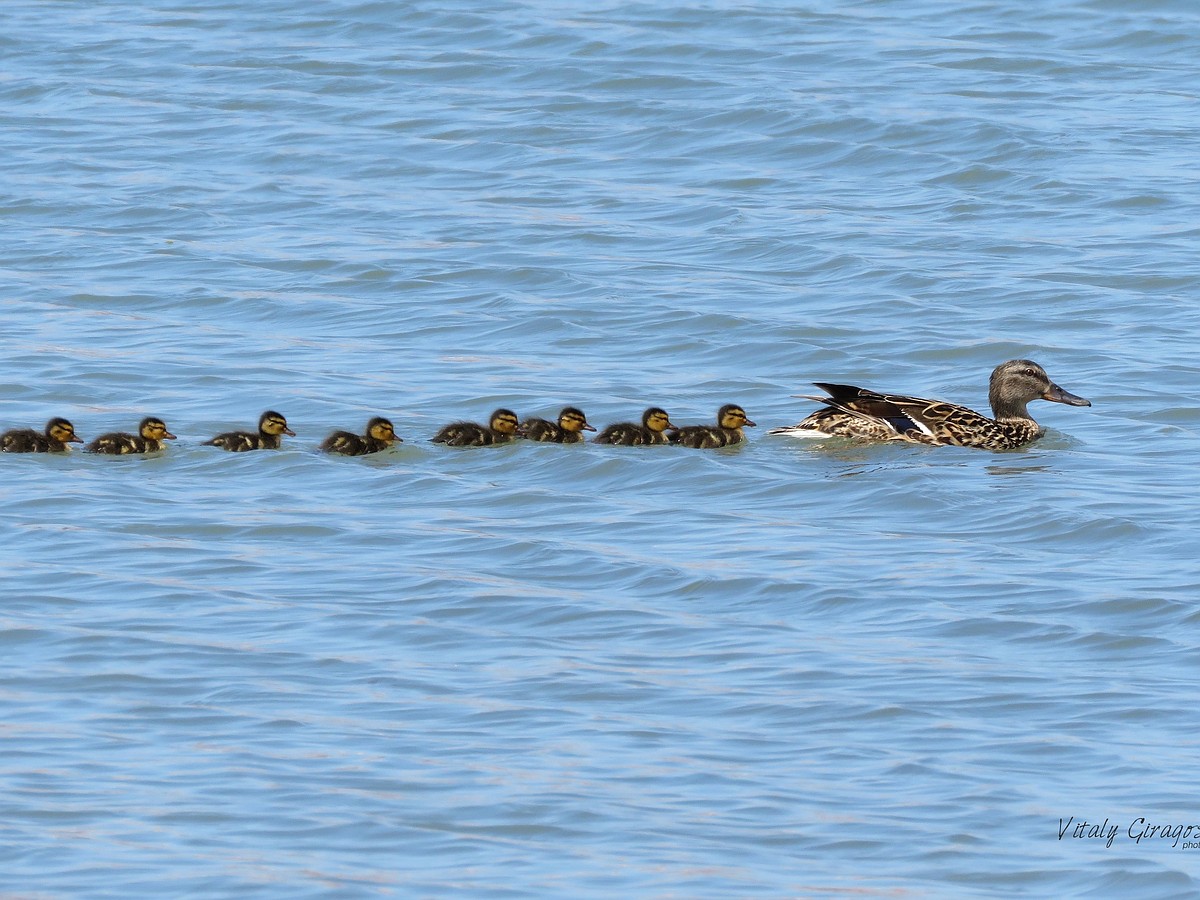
x=63, y=431
x=733, y=416
x=504, y=421
x=272, y=422
x=657, y=420
x=382, y=430
x=573, y=419
x=154, y=429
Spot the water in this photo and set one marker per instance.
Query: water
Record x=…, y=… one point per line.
x=774, y=670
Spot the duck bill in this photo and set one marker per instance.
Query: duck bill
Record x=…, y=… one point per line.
x=589, y=427
x=1058, y=395
x=167, y=436
x=749, y=424
x=289, y=431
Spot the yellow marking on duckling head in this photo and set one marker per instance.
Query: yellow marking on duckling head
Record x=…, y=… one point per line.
x=275, y=424
x=155, y=430
x=732, y=416
x=572, y=419
x=63, y=431
x=382, y=430
x=504, y=421
x=658, y=420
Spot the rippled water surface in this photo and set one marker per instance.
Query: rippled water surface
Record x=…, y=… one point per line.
x=776, y=670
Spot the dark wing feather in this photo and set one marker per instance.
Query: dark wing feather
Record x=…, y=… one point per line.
x=236, y=441
x=464, y=434
x=346, y=443
x=542, y=430
x=24, y=440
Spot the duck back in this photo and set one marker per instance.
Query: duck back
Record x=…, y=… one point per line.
x=465, y=434
x=346, y=443
x=122, y=442
x=25, y=440
x=629, y=434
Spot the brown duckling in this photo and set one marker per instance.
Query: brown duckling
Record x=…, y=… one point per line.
x=569, y=430
x=58, y=435
x=501, y=428
x=731, y=419
x=379, y=435
x=271, y=428
x=152, y=432
x=655, y=424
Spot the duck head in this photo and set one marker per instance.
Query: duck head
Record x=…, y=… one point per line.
x=381, y=429
x=505, y=421
x=573, y=419
x=657, y=420
x=1018, y=381
x=733, y=416
x=274, y=423
x=154, y=429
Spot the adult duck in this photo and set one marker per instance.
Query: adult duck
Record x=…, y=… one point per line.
x=869, y=416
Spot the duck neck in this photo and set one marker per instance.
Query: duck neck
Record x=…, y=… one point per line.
x=1007, y=408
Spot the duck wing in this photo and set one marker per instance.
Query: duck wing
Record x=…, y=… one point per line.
x=700, y=437
x=346, y=443
x=24, y=440
x=626, y=434
x=907, y=418
x=542, y=430
x=236, y=441
x=464, y=434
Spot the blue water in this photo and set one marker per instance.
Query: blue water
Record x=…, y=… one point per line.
x=775, y=670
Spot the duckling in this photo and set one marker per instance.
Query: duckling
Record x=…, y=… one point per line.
x=58, y=434
x=731, y=419
x=569, y=430
x=152, y=432
x=501, y=428
x=271, y=428
x=379, y=435
x=655, y=422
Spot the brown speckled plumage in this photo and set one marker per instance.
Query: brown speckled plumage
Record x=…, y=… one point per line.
x=866, y=415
